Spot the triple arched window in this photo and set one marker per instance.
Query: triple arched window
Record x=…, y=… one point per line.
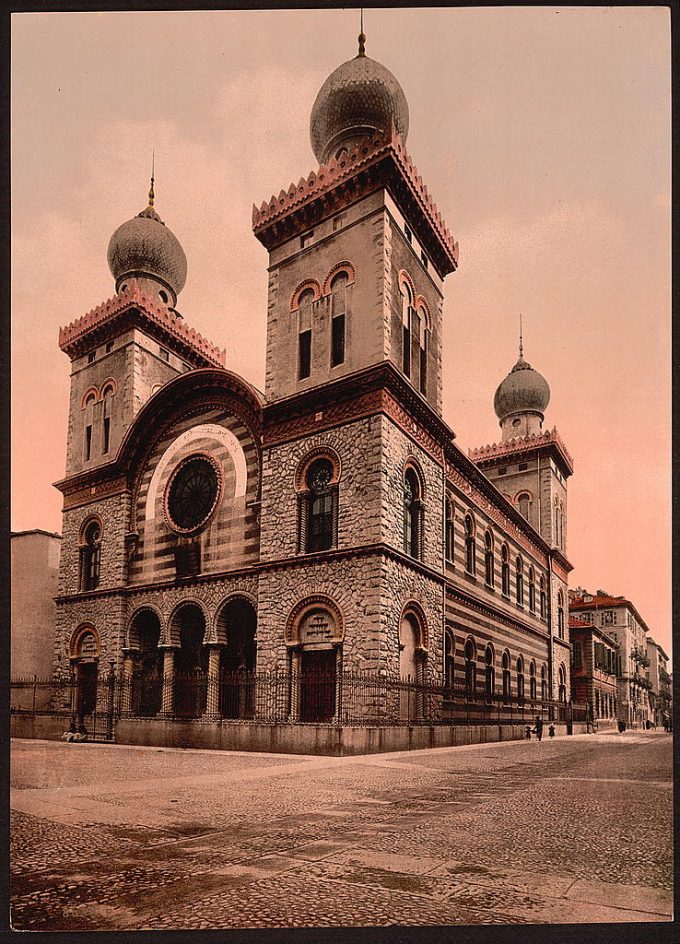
x=90, y=555
x=413, y=513
x=318, y=506
x=470, y=554
x=489, y=574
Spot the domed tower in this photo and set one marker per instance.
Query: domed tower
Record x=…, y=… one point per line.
x=530, y=465
x=128, y=347
x=358, y=250
x=521, y=399
x=145, y=249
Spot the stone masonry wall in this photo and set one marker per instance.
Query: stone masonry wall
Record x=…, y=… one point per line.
x=114, y=513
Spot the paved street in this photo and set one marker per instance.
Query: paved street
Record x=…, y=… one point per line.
x=114, y=837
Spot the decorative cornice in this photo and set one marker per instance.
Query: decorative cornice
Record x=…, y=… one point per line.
x=551, y=440
x=377, y=161
x=76, y=338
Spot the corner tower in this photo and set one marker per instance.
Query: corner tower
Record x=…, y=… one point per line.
x=530, y=465
x=357, y=249
x=128, y=347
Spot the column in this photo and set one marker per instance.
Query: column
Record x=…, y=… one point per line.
x=128, y=671
x=168, y=679
x=212, y=710
x=295, y=663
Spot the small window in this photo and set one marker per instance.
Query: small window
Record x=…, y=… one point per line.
x=522, y=466
x=516, y=423
x=165, y=355
x=505, y=570
x=305, y=355
x=306, y=239
x=163, y=296
x=470, y=562
x=339, y=222
x=425, y=261
x=91, y=357
x=109, y=347
x=503, y=471
x=408, y=234
x=188, y=559
x=413, y=514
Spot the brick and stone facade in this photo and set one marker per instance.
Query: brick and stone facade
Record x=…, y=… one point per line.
x=332, y=524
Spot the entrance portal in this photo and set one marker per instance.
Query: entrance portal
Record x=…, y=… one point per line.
x=317, y=684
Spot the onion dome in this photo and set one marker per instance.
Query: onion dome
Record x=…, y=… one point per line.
x=524, y=390
x=145, y=247
x=358, y=99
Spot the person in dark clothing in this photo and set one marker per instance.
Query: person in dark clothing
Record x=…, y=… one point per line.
x=538, y=727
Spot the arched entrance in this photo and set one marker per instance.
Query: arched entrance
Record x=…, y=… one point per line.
x=147, y=676
x=237, y=624
x=191, y=662
x=411, y=656
x=314, y=633
x=85, y=662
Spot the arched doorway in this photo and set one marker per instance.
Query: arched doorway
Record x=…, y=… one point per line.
x=237, y=624
x=85, y=662
x=314, y=633
x=147, y=676
x=190, y=688
x=409, y=643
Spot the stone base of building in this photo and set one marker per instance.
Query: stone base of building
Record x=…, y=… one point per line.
x=324, y=739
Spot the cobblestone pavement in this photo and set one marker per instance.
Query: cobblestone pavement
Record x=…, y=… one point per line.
x=112, y=837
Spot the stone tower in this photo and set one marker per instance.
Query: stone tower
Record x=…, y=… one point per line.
x=358, y=253
x=125, y=349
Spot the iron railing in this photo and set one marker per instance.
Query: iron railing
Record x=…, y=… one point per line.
x=353, y=698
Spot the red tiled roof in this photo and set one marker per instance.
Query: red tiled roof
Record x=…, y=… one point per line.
x=580, y=604
x=577, y=623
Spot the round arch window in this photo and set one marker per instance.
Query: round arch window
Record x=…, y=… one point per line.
x=192, y=494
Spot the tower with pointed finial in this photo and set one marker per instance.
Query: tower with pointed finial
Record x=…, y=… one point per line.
x=530, y=465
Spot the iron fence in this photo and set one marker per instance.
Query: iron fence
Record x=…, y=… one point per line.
x=350, y=698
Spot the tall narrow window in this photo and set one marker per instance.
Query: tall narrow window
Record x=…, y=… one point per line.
x=423, y=350
x=90, y=554
x=338, y=318
x=505, y=570
x=322, y=506
x=532, y=590
x=449, y=528
x=470, y=670
x=519, y=581
x=305, y=333
x=407, y=322
x=449, y=663
x=506, y=677
x=488, y=559
x=106, y=443
x=520, y=680
x=542, y=598
x=561, y=520
x=88, y=441
x=562, y=689
x=489, y=680
x=413, y=511
x=560, y=614
x=470, y=561
x=523, y=502
x=532, y=680
x=544, y=684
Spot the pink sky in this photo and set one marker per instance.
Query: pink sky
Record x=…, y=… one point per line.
x=543, y=135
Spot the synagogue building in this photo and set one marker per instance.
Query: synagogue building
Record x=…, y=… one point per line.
x=328, y=528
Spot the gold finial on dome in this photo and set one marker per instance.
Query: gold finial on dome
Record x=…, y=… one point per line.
x=153, y=167
x=521, y=348
x=362, y=37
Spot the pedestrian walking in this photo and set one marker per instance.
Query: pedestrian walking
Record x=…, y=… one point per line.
x=527, y=732
x=538, y=727
x=551, y=731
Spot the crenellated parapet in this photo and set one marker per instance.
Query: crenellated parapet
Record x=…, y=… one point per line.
x=131, y=302
x=550, y=438
x=380, y=160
